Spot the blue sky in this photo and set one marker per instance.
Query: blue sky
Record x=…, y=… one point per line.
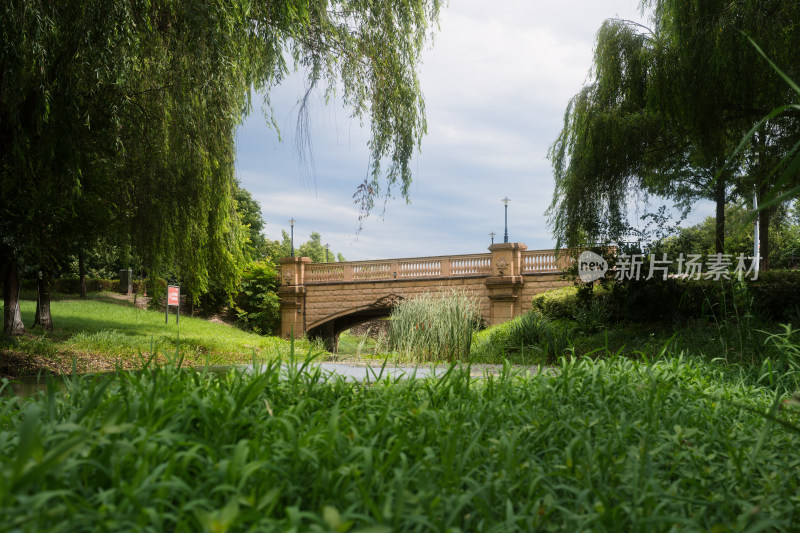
x=496, y=83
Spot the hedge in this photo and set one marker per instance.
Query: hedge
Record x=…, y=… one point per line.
x=774, y=295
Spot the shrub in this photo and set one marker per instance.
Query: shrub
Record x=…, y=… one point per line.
x=531, y=332
x=592, y=316
x=558, y=303
x=776, y=294
x=432, y=327
x=257, y=305
x=653, y=300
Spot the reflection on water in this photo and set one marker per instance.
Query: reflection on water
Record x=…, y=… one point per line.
x=31, y=385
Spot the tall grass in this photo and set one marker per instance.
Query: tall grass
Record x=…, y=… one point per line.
x=435, y=328
x=607, y=445
x=527, y=339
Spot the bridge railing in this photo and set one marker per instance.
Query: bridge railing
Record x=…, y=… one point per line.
x=478, y=265
x=534, y=261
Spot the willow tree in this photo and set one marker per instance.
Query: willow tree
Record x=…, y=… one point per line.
x=614, y=145
x=666, y=107
x=131, y=106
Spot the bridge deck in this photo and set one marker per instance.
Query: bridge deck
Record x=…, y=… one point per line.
x=478, y=265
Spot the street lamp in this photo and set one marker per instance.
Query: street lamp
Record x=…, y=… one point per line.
x=492, y=234
x=291, y=223
x=505, y=203
x=326, y=251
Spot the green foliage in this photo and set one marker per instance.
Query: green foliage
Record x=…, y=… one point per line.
x=530, y=338
x=277, y=250
x=360, y=346
x=596, y=445
x=103, y=260
x=772, y=295
x=157, y=291
x=107, y=130
x=665, y=106
x=257, y=305
x=592, y=316
x=739, y=228
x=249, y=211
x=72, y=285
x=664, y=301
x=557, y=303
x=776, y=295
x=434, y=327
x=312, y=248
x=786, y=168
x=787, y=362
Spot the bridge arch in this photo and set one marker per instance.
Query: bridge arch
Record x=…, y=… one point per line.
x=329, y=327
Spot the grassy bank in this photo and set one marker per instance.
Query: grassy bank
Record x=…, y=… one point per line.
x=536, y=339
x=101, y=332
x=603, y=445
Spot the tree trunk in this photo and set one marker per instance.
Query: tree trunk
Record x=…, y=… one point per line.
x=763, y=238
x=12, y=319
x=43, y=317
x=82, y=273
x=719, y=198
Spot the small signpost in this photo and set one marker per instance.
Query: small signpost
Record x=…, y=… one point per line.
x=173, y=298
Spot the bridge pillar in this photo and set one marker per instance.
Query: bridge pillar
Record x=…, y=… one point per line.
x=292, y=293
x=505, y=283
x=330, y=337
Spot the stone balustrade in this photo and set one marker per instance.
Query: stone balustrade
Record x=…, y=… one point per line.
x=532, y=262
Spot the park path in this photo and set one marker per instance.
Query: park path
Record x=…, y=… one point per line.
x=370, y=370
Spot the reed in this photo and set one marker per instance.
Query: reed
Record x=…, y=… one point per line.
x=435, y=328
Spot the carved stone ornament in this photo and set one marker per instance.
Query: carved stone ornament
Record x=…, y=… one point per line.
x=287, y=277
x=387, y=301
x=502, y=265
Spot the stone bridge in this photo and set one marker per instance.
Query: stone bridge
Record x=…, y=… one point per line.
x=323, y=299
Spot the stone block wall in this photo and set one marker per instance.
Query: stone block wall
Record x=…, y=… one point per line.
x=324, y=302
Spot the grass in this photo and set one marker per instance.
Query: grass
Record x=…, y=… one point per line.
x=608, y=445
x=527, y=339
x=360, y=346
x=101, y=332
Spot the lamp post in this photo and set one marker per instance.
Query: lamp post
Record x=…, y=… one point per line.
x=492, y=234
x=505, y=203
x=326, y=251
x=291, y=223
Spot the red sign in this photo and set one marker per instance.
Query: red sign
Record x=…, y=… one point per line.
x=173, y=295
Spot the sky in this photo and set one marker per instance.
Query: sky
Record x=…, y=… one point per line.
x=496, y=83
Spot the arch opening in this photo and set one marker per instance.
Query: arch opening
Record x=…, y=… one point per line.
x=329, y=328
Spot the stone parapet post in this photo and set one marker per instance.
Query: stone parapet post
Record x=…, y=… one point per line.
x=505, y=283
x=292, y=294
